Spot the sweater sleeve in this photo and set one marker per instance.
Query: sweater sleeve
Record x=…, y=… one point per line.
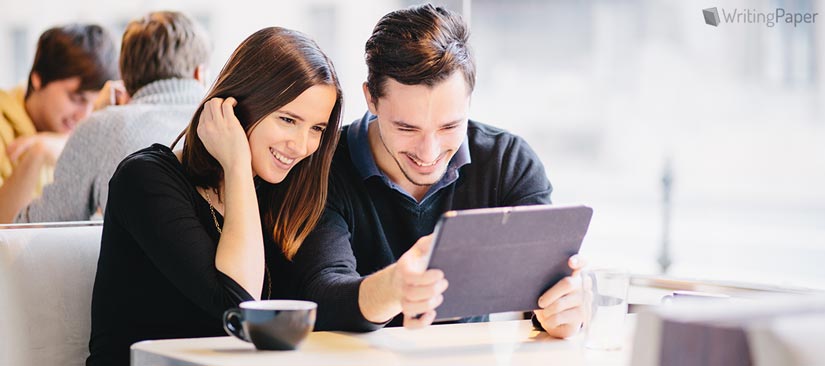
x=525, y=181
x=154, y=204
x=326, y=271
x=69, y=196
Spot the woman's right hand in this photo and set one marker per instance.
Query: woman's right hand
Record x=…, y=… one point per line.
x=221, y=133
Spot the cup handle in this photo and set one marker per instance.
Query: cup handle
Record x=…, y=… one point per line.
x=232, y=320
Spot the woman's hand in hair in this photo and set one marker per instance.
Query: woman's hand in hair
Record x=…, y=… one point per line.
x=222, y=134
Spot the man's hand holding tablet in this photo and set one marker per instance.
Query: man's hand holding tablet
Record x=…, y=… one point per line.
x=499, y=258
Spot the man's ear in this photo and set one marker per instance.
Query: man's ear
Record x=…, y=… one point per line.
x=370, y=102
x=200, y=73
x=36, y=81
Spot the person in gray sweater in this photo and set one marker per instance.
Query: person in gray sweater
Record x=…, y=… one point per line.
x=163, y=63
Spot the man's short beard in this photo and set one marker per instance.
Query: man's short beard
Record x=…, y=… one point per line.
x=414, y=182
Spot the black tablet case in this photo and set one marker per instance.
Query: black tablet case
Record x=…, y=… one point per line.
x=502, y=259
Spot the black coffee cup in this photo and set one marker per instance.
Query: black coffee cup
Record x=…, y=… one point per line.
x=271, y=324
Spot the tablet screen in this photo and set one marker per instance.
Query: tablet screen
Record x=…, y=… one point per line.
x=502, y=259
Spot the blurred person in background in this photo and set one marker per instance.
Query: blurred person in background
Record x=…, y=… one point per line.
x=163, y=60
x=71, y=65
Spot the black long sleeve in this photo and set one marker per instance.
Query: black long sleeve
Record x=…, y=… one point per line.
x=156, y=275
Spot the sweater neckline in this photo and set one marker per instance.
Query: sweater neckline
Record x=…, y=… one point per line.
x=170, y=91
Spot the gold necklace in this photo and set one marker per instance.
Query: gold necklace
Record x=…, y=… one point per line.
x=215, y=219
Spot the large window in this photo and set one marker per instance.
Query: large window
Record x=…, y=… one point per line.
x=620, y=96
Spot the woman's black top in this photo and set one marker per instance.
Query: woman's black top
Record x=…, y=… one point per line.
x=156, y=275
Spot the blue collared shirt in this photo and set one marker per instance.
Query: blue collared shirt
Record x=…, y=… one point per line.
x=364, y=161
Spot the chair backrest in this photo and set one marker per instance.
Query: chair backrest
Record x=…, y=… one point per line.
x=46, y=278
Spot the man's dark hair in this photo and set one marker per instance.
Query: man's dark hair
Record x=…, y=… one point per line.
x=83, y=50
x=423, y=44
x=161, y=45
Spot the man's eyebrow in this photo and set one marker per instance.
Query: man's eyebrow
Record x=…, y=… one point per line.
x=455, y=122
x=403, y=124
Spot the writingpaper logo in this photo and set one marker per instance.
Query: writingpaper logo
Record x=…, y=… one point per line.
x=752, y=16
x=711, y=16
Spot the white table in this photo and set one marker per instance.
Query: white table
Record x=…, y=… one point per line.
x=494, y=343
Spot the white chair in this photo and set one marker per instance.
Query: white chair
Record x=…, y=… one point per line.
x=46, y=278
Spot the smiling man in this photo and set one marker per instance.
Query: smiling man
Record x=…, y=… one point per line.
x=412, y=157
x=72, y=63
x=420, y=130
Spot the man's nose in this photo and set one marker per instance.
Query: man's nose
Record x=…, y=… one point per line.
x=429, y=148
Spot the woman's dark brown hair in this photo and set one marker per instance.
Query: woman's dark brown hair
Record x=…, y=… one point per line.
x=267, y=71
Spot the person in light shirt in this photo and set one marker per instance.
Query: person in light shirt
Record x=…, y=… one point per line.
x=163, y=62
x=71, y=66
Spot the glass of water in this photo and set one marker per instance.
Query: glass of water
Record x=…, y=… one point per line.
x=606, y=292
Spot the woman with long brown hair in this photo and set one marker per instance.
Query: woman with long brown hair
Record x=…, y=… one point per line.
x=190, y=233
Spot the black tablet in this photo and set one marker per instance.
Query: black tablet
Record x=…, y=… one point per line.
x=502, y=259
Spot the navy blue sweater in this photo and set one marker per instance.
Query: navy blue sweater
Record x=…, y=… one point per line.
x=367, y=225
